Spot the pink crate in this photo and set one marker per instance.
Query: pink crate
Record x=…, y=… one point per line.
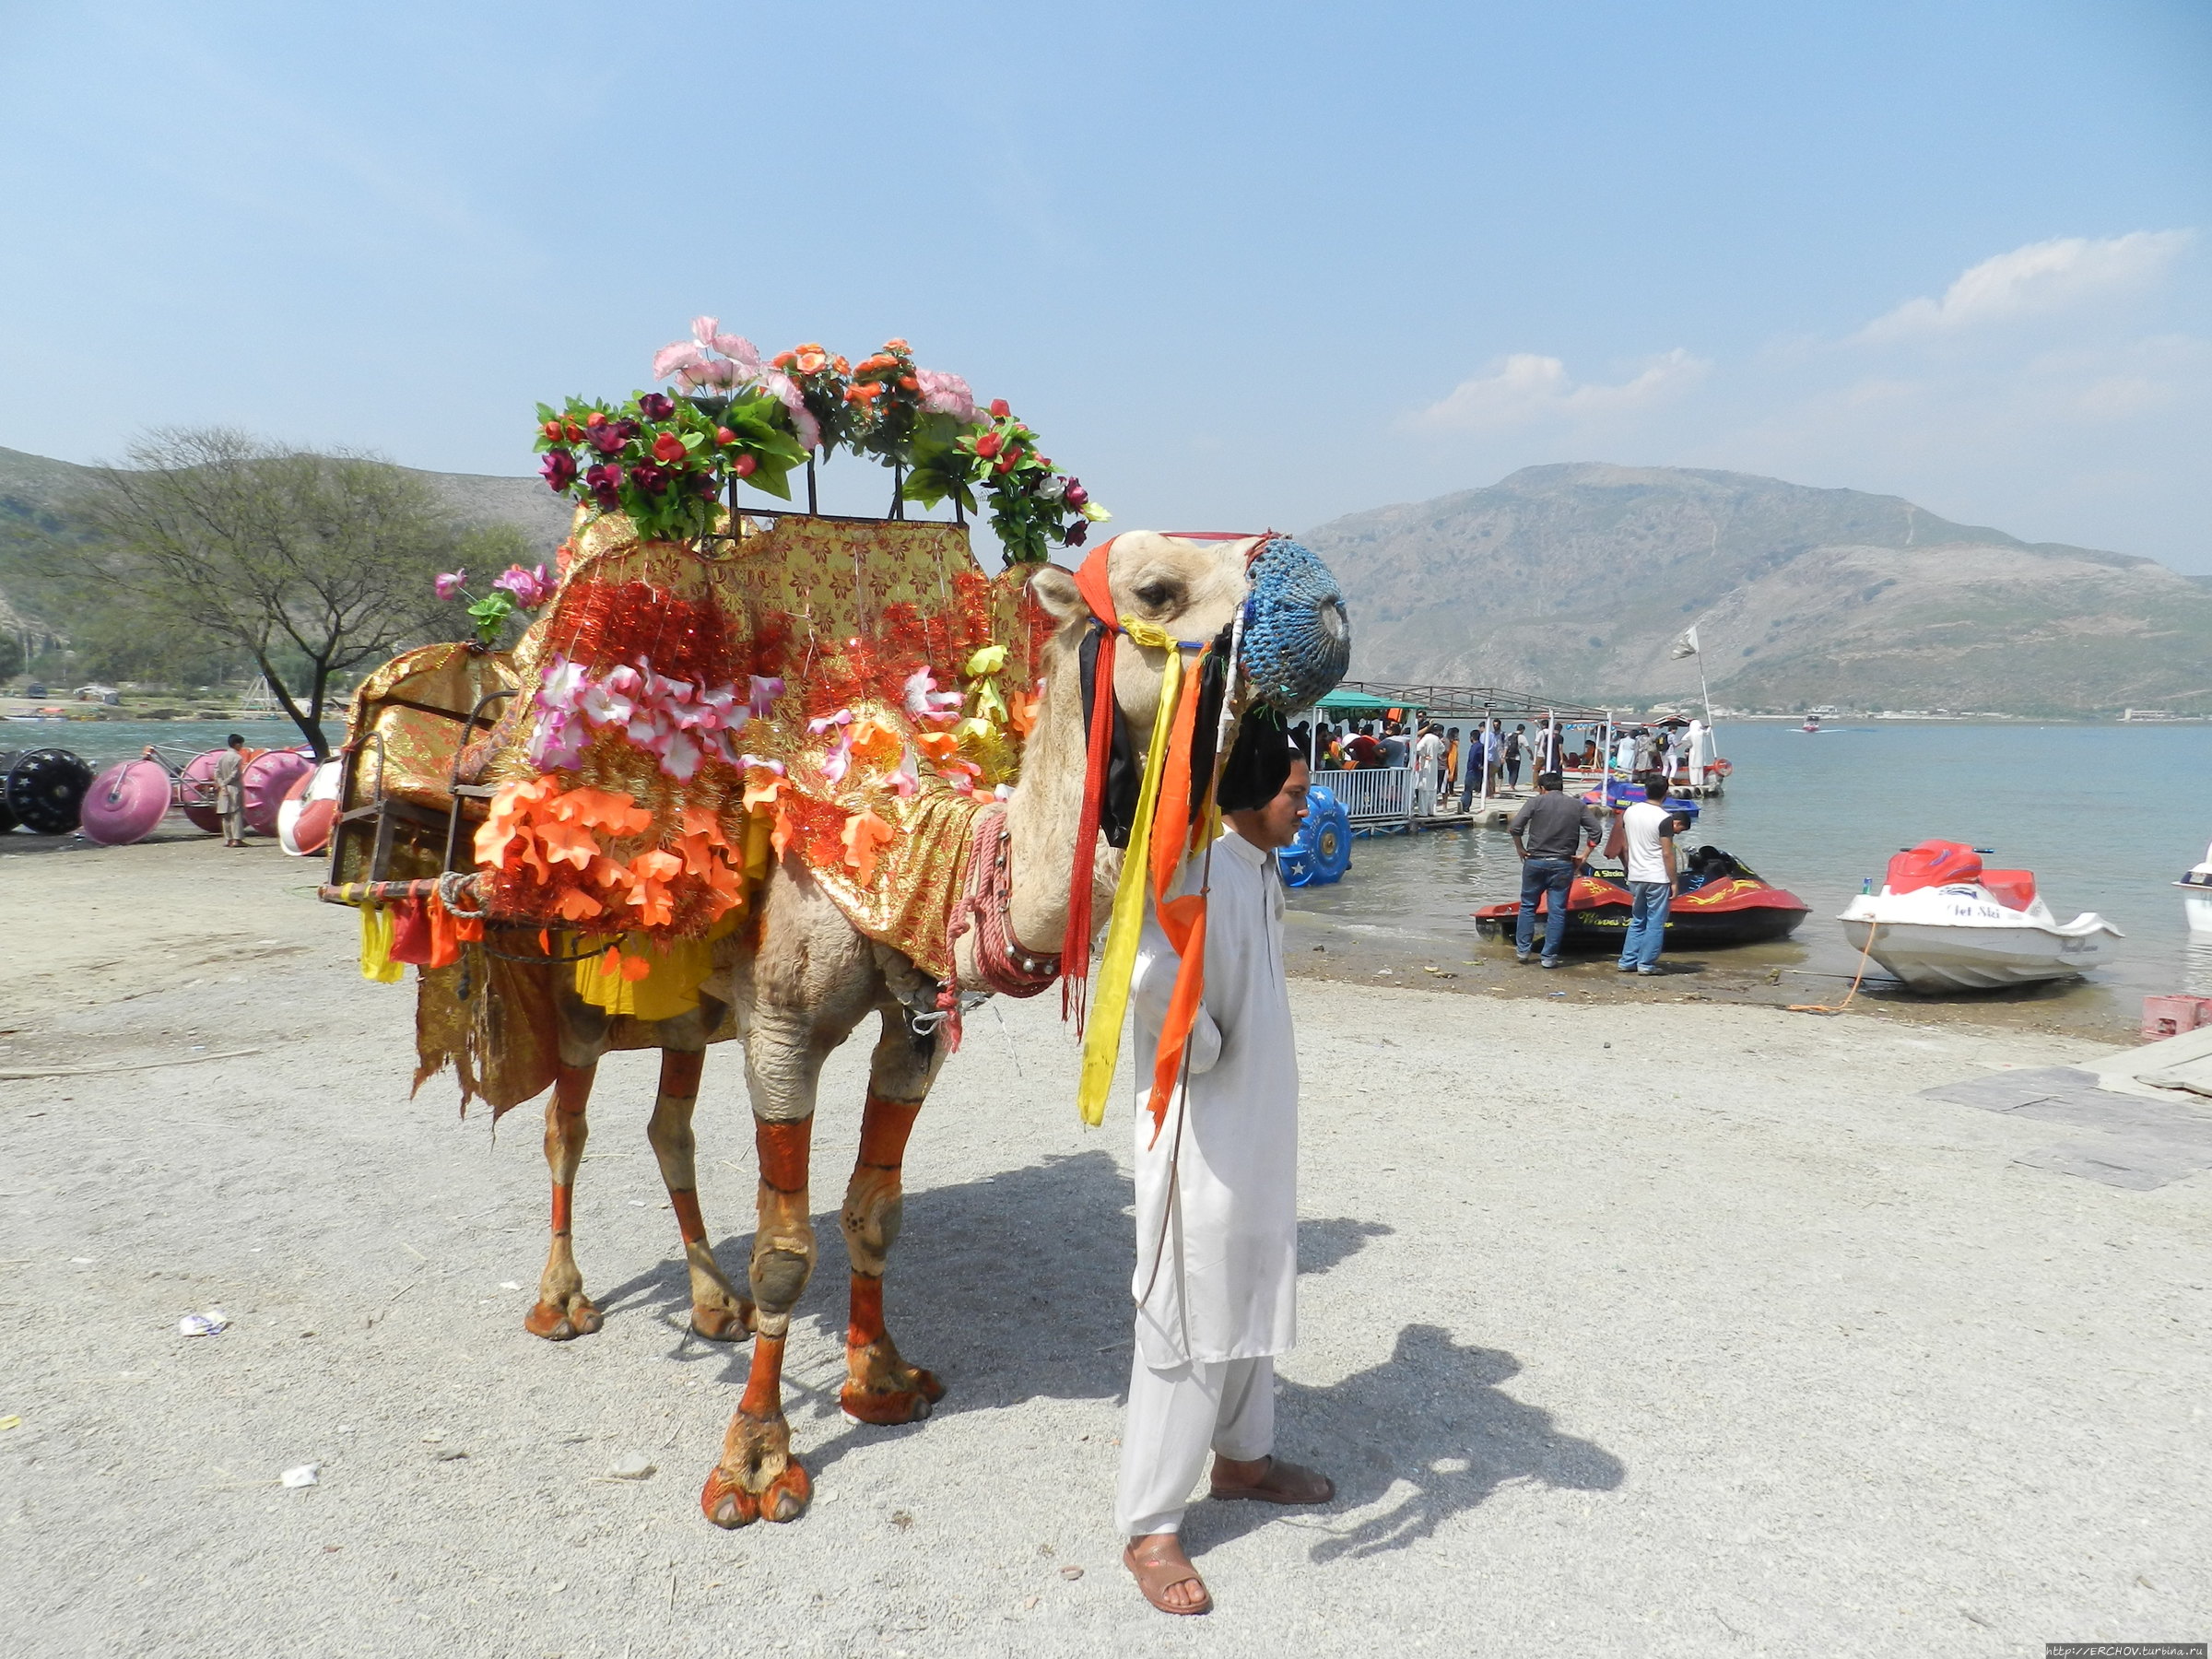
x=2171, y=1016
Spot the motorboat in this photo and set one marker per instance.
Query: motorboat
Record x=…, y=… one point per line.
x=1811, y=725
x=1723, y=901
x=2196, y=895
x=1943, y=922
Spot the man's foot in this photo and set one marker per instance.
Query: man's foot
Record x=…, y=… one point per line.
x=1270, y=1480
x=1626, y=967
x=1647, y=969
x=1165, y=1576
x=1521, y=956
x=1549, y=962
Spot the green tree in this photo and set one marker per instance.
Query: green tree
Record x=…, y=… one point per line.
x=310, y=563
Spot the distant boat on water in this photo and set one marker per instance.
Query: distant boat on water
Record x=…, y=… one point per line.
x=1812, y=723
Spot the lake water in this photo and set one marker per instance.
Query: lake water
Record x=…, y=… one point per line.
x=104, y=741
x=2107, y=817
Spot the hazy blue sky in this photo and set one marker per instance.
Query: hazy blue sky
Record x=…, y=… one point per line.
x=1243, y=264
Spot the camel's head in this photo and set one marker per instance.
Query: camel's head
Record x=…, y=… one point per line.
x=1193, y=589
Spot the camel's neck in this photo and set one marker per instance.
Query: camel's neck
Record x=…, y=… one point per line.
x=1041, y=819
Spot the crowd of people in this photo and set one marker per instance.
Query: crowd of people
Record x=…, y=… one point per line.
x=1490, y=759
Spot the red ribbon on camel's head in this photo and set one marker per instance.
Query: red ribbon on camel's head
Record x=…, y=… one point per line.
x=1075, y=939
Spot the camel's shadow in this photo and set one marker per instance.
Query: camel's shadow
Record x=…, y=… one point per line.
x=1016, y=1288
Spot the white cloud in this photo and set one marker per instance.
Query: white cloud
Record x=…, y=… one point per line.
x=1525, y=389
x=2043, y=276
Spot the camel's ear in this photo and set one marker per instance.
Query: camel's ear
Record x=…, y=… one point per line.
x=1057, y=591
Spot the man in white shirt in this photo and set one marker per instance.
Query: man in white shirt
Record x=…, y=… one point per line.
x=1428, y=760
x=1216, y=1195
x=1648, y=851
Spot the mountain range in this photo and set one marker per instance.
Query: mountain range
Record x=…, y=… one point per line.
x=1575, y=580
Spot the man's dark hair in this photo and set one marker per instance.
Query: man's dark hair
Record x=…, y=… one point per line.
x=1550, y=781
x=234, y=740
x=1654, y=788
x=1259, y=762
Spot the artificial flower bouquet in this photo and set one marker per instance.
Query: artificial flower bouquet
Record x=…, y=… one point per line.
x=666, y=460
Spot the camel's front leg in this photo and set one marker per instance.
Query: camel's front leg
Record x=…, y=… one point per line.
x=718, y=1313
x=563, y=1311
x=758, y=1476
x=880, y=1387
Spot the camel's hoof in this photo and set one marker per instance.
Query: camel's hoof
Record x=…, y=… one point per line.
x=563, y=1324
x=909, y=1404
x=722, y=1324
x=729, y=1506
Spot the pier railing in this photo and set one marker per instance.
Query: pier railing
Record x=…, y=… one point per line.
x=1373, y=794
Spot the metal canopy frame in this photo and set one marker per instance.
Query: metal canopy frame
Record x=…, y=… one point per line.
x=1457, y=702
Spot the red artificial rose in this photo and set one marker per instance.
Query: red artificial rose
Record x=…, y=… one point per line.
x=596, y=418
x=1005, y=462
x=723, y=435
x=999, y=410
x=987, y=445
x=745, y=465
x=552, y=430
x=575, y=432
x=669, y=447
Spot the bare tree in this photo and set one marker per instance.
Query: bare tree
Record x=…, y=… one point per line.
x=292, y=557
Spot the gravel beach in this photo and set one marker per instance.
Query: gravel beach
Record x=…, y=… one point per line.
x=1628, y=1326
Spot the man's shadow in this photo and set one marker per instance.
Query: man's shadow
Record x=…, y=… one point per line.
x=1431, y=1416
x=1017, y=1287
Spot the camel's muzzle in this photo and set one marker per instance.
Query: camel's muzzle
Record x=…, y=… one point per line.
x=1297, y=635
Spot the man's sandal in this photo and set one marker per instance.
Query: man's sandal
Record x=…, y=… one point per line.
x=1156, y=1578
x=1283, y=1483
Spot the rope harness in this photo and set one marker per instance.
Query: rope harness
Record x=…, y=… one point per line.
x=986, y=900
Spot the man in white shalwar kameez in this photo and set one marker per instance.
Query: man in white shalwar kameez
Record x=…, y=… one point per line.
x=1216, y=1196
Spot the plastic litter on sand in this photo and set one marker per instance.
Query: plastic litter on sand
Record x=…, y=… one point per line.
x=210, y=1324
x=636, y=1466
x=304, y=1476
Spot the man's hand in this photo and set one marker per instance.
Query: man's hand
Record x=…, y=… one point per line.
x=1520, y=852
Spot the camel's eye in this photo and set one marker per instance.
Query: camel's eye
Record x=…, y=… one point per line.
x=1154, y=595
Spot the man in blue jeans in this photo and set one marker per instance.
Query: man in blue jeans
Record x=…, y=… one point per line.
x=1647, y=834
x=1548, y=831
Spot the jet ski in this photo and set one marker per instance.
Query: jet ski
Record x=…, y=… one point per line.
x=1720, y=900
x=1942, y=922
x=2196, y=895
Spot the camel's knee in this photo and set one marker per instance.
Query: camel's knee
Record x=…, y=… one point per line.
x=783, y=1252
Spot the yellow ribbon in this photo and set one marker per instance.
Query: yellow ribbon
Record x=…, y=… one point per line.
x=376, y=946
x=1109, y=984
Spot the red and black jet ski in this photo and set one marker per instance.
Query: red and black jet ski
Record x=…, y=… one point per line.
x=1727, y=902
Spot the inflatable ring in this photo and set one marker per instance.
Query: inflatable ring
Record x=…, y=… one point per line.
x=310, y=810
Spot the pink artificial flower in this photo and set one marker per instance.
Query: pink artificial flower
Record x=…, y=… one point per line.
x=925, y=701
x=530, y=588
x=695, y=363
x=602, y=706
x=450, y=583
x=945, y=394
x=680, y=755
x=765, y=693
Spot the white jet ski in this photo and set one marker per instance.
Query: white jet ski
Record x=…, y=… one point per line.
x=1942, y=922
x=2196, y=895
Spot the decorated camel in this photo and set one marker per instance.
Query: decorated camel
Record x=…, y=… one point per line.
x=762, y=781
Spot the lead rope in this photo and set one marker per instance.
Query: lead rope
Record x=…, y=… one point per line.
x=1864, y=951
x=1182, y=1080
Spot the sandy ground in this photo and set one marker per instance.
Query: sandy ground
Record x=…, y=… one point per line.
x=1642, y=1328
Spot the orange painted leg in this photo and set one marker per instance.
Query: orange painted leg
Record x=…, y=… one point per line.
x=563, y=1311
x=758, y=1476
x=879, y=1387
x=718, y=1313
